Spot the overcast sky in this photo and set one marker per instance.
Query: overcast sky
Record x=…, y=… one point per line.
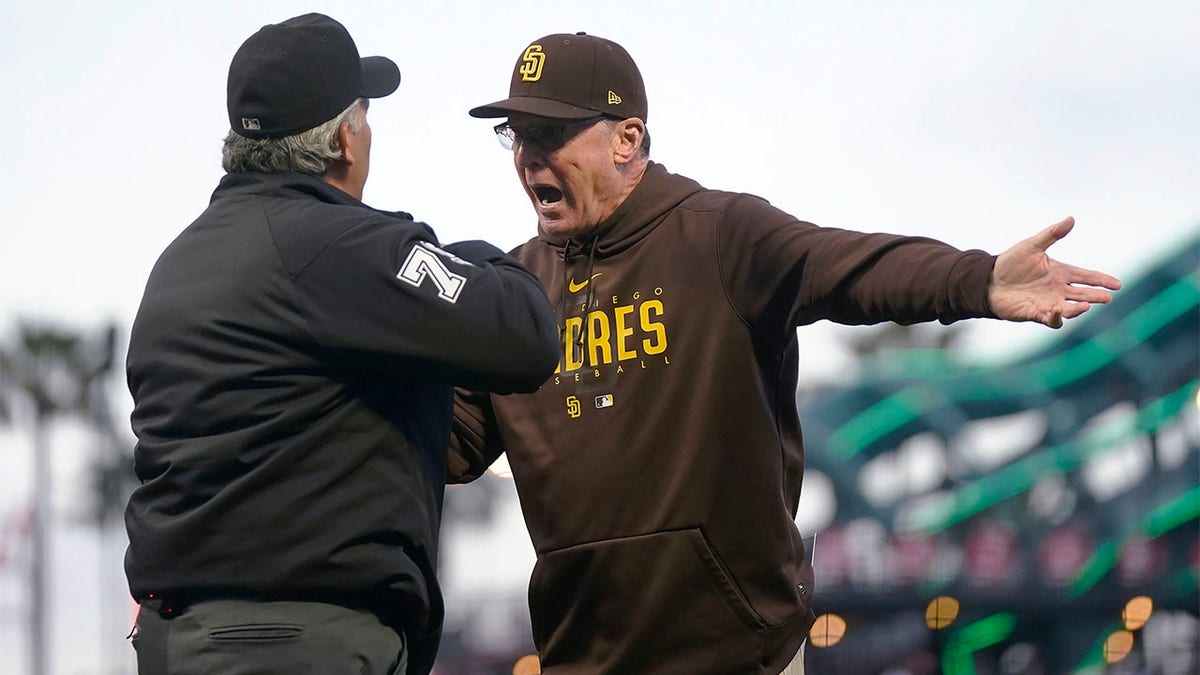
x=976, y=123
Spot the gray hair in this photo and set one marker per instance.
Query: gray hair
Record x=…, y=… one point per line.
x=311, y=152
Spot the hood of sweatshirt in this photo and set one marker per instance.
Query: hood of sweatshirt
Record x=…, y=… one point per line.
x=655, y=195
x=658, y=192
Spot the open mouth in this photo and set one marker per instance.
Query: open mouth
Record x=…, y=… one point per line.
x=547, y=195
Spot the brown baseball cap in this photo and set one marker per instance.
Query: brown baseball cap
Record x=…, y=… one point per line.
x=572, y=77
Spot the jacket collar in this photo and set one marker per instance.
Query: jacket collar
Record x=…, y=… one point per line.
x=290, y=186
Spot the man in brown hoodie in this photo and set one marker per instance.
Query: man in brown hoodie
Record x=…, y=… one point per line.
x=659, y=469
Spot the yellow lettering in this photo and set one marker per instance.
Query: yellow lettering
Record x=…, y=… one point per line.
x=657, y=345
x=615, y=300
x=557, y=381
x=576, y=377
x=603, y=337
x=623, y=331
x=574, y=325
x=658, y=290
x=620, y=368
x=599, y=349
x=637, y=295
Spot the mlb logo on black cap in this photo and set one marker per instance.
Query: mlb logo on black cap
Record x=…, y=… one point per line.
x=295, y=75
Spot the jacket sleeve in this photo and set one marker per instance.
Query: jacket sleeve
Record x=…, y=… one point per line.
x=474, y=437
x=385, y=296
x=781, y=273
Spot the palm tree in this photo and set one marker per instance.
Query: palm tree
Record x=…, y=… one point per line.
x=59, y=373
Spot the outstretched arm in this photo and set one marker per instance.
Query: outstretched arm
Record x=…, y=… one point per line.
x=1028, y=285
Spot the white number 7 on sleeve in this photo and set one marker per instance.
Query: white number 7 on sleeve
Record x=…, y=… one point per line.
x=426, y=262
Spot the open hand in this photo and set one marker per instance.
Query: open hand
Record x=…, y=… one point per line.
x=1028, y=285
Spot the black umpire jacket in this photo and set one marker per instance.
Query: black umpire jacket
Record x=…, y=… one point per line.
x=291, y=367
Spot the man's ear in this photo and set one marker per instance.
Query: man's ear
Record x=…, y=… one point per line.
x=343, y=138
x=628, y=140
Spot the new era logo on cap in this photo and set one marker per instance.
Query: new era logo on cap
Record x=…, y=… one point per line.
x=572, y=77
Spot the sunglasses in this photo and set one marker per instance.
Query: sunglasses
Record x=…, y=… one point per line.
x=542, y=136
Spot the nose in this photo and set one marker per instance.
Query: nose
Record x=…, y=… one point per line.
x=528, y=155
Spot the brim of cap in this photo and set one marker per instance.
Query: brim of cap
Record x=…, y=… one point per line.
x=380, y=76
x=542, y=107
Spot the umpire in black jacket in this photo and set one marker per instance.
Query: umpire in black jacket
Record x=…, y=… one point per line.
x=291, y=367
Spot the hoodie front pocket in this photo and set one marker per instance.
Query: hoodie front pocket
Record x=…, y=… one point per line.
x=634, y=604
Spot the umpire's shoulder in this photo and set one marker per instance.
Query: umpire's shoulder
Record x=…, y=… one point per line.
x=303, y=234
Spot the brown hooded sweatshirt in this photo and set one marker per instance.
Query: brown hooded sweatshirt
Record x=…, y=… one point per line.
x=659, y=469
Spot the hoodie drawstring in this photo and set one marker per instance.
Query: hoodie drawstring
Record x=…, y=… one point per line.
x=588, y=299
x=562, y=294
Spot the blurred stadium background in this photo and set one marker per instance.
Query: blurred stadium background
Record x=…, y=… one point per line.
x=1038, y=515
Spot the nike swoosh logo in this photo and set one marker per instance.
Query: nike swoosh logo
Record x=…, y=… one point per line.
x=576, y=287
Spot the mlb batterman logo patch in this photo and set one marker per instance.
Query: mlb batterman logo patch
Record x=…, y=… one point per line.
x=251, y=124
x=531, y=63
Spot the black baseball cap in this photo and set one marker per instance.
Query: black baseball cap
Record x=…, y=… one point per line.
x=292, y=76
x=572, y=77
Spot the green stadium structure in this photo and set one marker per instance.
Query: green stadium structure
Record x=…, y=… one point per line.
x=1034, y=543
